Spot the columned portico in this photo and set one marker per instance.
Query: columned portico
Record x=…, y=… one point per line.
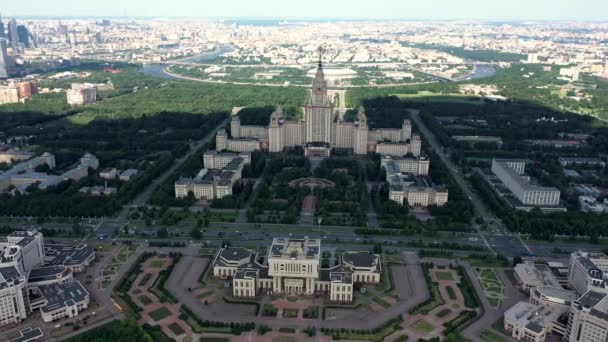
x=277, y=284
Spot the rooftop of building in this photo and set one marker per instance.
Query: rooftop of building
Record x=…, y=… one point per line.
x=27, y=334
x=235, y=253
x=534, y=317
x=341, y=277
x=556, y=293
x=285, y=248
x=61, y=295
x=246, y=273
x=536, y=274
x=360, y=259
x=47, y=273
x=591, y=298
x=516, y=177
x=68, y=255
x=9, y=274
x=580, y=160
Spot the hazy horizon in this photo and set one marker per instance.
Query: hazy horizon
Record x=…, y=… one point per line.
x=490, y=10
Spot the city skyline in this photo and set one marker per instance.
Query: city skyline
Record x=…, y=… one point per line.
x=585, y=10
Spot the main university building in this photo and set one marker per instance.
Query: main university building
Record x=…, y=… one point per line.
x=292, y=267
x=320, y=131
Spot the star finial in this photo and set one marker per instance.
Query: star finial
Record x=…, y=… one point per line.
x=320, y=52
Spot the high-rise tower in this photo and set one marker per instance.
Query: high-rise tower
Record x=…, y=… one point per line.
x=4, y=62
x=13, y=36
x=318, y=113
x=1, y=28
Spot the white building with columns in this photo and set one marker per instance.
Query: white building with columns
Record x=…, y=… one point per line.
x=319, y=131
x=292, y=266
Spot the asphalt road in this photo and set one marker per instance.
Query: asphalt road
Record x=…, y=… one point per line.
x=143, y=196
x=478, y=205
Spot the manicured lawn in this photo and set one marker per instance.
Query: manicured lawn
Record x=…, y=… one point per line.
x=444, y=275
x=488, y=273
x=160, y=314
x=451, y=292
x=290, y=313
x=373, y=337
x=311, y=312
x=422, y=326
x=145, y=300
x=489, y=336
x=494, y=301
x=157, y=263
x=444, y=313
x=145, y=279
x=284, y=339
x=382, y=302
x=176, y=329
x=269, y=310
x=435, y=97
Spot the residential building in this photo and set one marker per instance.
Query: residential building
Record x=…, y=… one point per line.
x=81, y=94
x=27, y=88
x=127, y=175
x=14, y=155
x=510, y=174
x=9, y=94
x=292, y=266
x=5, y=63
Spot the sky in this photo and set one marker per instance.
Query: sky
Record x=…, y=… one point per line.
x=290, y=9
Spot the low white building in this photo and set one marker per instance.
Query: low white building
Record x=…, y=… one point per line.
x=532, y=323
x=531, y=275
x=108, y=173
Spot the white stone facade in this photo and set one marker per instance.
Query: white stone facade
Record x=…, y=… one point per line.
x=320, y=126
x=292, y=267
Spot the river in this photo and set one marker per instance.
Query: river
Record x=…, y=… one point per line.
x=158, y=70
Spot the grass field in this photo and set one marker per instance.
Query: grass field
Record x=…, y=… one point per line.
x=145, y=300
x=491, y=284
x=160, y=314
x=157, y=263
x=422, y=326
x=444, y=275
x=382, y=302
x=437, y=97
x=176, y=329
x=145, y=279
x=290, y=313
x=215, y=339
x=488, y=336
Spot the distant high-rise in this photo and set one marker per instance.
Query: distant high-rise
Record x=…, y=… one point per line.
x=4, y=62
x=1, y=28
x=24, y=35
x=13, y=36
